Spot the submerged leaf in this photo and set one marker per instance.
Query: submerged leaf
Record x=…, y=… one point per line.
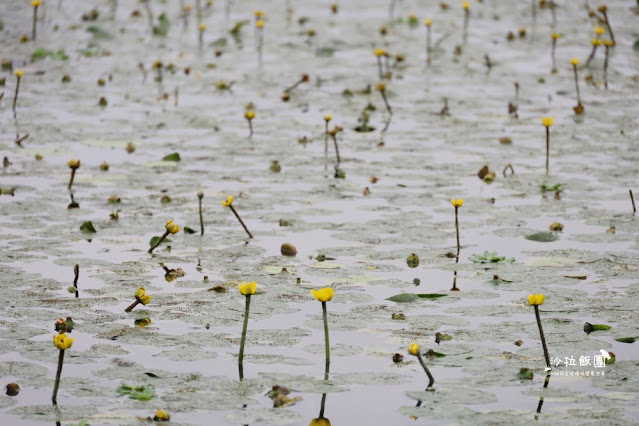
x=87, y=227
x=543, y=237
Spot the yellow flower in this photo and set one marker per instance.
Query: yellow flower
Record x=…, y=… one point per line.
x=19, y=73
x=227, y=202
x=457, y=203
x=608, y=43
x=260, y=23
x=379, y=52
x=74, y=164
x=320, y=421
x=466, y=5
x=140, y=292
x=596, y=41
x=536, y=299
x=555, y=36
x=599, y=30
x=247, y=289
x=186, y=8
x=172, y=227
x=427, y=22
x=62, y=341
x=547, y=121
x=249, y=115
x=574, y=62
x=202, y=27
x=380, y=87
x=145, y=299
x=161, y=416
x=323, y=295
x=413, y=349
x=258, y=13
x=36, y=3
x=328, y=117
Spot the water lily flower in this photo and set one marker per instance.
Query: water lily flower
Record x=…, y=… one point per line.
x=247, y=289
x=323, y=295
x=62, y=341
x=536, y=299
x=415, y=350
x=140, y=297
x=457, y=203
x=172, y=227
x=320, y=421
x=547, y=122
x=228, y=202
x=74, y=164
x=161, y=416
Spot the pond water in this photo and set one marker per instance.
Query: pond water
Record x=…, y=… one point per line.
x=393, y=200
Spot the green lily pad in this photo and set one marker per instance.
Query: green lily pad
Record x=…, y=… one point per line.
x=490, y=257
x=88, y=228
x=99, y=33
x=41, y=53
x=172, y=157
x=543, y=237
x=626, y=339
x=412, y=297
x=140, y=393
x=188, y=230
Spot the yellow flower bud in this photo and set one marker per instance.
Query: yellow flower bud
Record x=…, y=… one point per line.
x=379, y=52
x=428, y=22
x=328, y=117
x=323, y=295
x=227, y=202
x=547, y=121
x=574, y=62
x=260, y=23
x=249, y=115
x=596, y=41
x=140, y=292
x=202, y=27
x=380, y=87
x=62, y=341
x=555, y=36
x=172, y=227
x=608, y=43
x=19, y=73
x=36, y=3
x=320, y=421
x=600, y=30
x=536, y=299
x=466, y=5
x=161, y=416
x=247, y=289
x=457, y=203
x=413, y=349
x=258, y=13
x=145, y=299
x=73, y=163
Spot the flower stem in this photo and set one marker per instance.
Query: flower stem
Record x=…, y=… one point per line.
x=547, y=149
x=466, y=19
x=54, y=398
x=577, y=85
x=606, y=67
x=326, y=145
x=379, y=68
x=241, y=221
x=132, y=305
x=632, y=198
x=158, y=242
x=541, y=333
x=457, y=228
x=552, y=54
x=201, y=220
x=326, y=343
x=76, y=271
x=72, y=177
x=35, y=23
x=250, y=123
x=322, y=405
x=15, y=97
x=334, y=136
x=240, y=358
x=431, y=379
x=612, y=35
x=388, y=108
x=428, y=46
x=541, y=399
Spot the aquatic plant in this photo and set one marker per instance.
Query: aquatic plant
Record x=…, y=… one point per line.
x=535, y=300
x=229, y=203
x=171, y=228
x=579, y=109
x=247, y=290
x=325, y=295
x=74, y=165
x=415, y=350
x=547, y=122
x=428, y=23
x=35, y=4
x=140, y=297
x=466, y=7
x=250, y=115
x=457, y=204
x=200, y=195
x=63, y=342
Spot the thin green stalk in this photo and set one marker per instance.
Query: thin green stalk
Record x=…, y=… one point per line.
x=543, y=339
x=326, y=343
x=431, y=379
x=326, y=145
x=428, y=46
x=547, y=150
x=240, y=358
x=158, y=242
x=577, y=85
x=201, y=219
x=54, y=398
x=457, y=228
x=241, y=221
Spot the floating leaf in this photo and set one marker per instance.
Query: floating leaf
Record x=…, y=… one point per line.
x=490, y=257
x=525, y=374
x=404, y=298
x=163, y=26
x=551, y=188
x=141, y=393
x=154, y=240
x=188, y=230
x=543, y=237
x=41, y=53
x=99, y=33
x=172, y=157
x=626, y=339
x=88, y=228
x=589, y=328
x=430, y=295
